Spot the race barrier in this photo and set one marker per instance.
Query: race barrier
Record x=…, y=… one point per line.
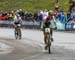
x=25, y=24
x=36, y=25
x=70, y=26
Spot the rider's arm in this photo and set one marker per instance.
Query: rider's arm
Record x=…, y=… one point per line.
x=13, y=22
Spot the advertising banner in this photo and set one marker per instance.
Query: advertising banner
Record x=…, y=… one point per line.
x=60, y=26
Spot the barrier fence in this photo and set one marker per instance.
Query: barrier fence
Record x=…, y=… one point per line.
x=36, y=25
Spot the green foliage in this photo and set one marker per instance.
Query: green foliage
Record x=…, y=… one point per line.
x=31, y=5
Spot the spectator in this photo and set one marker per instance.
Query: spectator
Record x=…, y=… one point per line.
x=11, y=15
x=61, y=16
x=21, y=13
x=35, y=16
x=56, y=14
x=45, y=14
x=74, y=16
x=26, y=14
x=56, y=5
x=70, y=16
x=41, y=14
x=72, y=5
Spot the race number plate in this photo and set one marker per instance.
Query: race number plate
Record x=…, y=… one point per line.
x=47, y=30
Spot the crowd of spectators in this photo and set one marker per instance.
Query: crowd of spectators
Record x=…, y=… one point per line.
x=38, y=16
x=41, y=15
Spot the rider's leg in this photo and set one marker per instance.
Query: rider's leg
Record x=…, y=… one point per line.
x=16, y=33
x=45, y=42
x=44, y=37
x=51, y=34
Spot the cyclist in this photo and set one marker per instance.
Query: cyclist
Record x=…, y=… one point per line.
x=17, y=22
x=47, y=24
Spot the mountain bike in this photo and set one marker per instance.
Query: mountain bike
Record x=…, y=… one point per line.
x=48, y=39
x=18, y=31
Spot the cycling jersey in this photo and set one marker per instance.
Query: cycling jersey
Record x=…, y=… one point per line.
x=49, y=17
x=46, y=25
x=17, y=20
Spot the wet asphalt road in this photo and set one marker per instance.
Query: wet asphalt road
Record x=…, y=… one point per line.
x=31, y=49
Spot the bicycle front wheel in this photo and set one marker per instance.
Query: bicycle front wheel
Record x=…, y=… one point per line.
x=49, y=44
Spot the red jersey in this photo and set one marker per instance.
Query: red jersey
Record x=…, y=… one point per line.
x=49, y=17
